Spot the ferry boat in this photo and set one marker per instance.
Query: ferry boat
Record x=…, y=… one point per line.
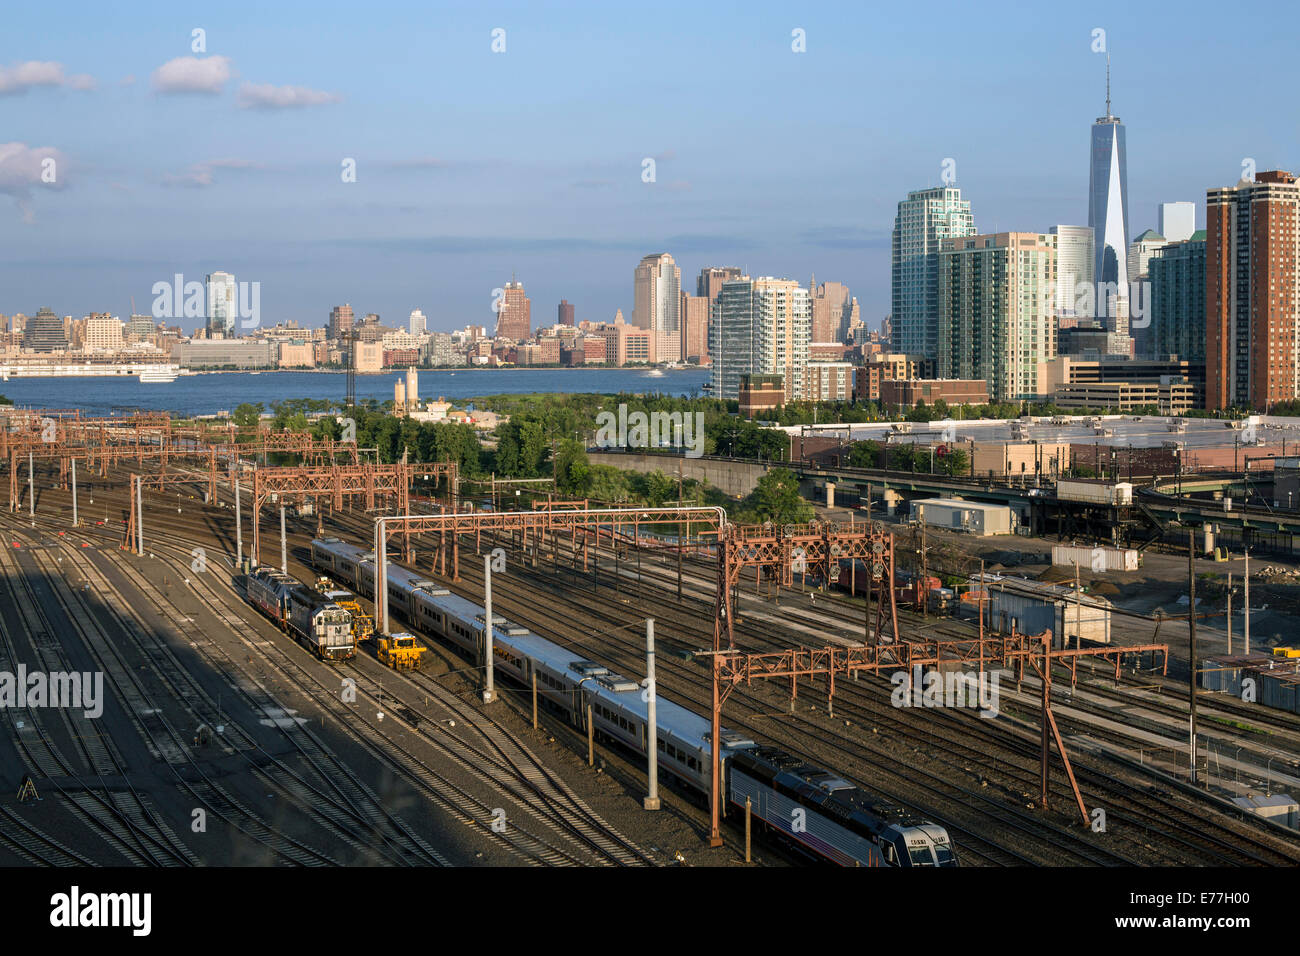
x=158, y=374
x=144, y=371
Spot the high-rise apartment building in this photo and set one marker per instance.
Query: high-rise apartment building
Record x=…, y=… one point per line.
x=1252, y=292
x=514, y=316
x=565, y=313
x=1177, y=220
x=709, y=282
x=1176, y=272
x=141, y=328
x=656, y=288
x=223, y=305
x=760, y=326
x=418, y=323
x=997, y=311
x=44, y=332
x=103, y=333
x=1108, y=217
x=341, y=320
x=925, y=219
x=1140, y=251
x=695, y=329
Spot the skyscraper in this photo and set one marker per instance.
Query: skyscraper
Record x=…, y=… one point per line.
x=1177, y=220
x=695, y=328
x=925, y=218
x=419, y=324
x=565, y=316
x=222, y=305
x=656, y=288
x=1108, y=217
x=834, y=311
x=1252, y=292
x=44, y=332
x=340, y=321
x=709, y=282
x=761, y=326
x=514, y=318
x=996, y=311
x=1074, y=263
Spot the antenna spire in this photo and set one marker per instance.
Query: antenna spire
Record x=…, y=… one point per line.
x=1107, y=82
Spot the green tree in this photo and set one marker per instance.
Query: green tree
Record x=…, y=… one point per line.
x=864, y=454
x=248, y=415
x=659, y=488
x=609, y=485
x=776, y=498
x=572, y=469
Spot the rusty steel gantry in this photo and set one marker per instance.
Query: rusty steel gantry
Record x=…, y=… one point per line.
x=991, y=650
x=336, y=483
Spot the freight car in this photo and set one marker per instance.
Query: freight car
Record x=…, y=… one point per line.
x=311, y=618
x=839, y=822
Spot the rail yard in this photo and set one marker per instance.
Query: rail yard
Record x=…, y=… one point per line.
x=228, y=736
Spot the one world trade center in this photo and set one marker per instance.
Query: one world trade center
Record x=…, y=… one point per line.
x=1108, y=217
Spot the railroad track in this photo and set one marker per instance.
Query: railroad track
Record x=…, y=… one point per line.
x=142, y=706
x=514, y=770
x=1019, y=776
x=118, y=813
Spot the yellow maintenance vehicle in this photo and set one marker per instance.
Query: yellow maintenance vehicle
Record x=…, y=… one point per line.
x=363, y=628
x=400, y=651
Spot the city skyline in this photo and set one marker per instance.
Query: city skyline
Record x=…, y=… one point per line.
x=434, y=220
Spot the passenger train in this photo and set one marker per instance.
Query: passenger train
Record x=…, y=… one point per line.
x=815, y=810
x=313, y=620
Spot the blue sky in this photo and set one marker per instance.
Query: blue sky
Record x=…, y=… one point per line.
x=472, y=164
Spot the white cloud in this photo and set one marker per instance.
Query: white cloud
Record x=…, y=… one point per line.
x=21, y=77
x=200, y=174
x=265, y=96
x=22, y=167
x=190, y=74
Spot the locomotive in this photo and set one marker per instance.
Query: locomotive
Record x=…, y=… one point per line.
x=311, y=618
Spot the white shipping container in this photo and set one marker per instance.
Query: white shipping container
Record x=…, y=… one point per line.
x=1095, y=492
x=1095, y=559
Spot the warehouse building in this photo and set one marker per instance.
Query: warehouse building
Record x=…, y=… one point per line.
x=957, y=514
x=227, y=353
x=1032, y=607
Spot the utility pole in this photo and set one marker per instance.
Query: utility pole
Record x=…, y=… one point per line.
x=652, y=725
x=1191, y=625
x=1078, y=611
x=866, y=633
x=1229, y=612
x=74, y=492
x=1246, y=598
x=239, y=529
x=489, y=692
x=31, y=485
x=139, y=515
x=925, y=572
